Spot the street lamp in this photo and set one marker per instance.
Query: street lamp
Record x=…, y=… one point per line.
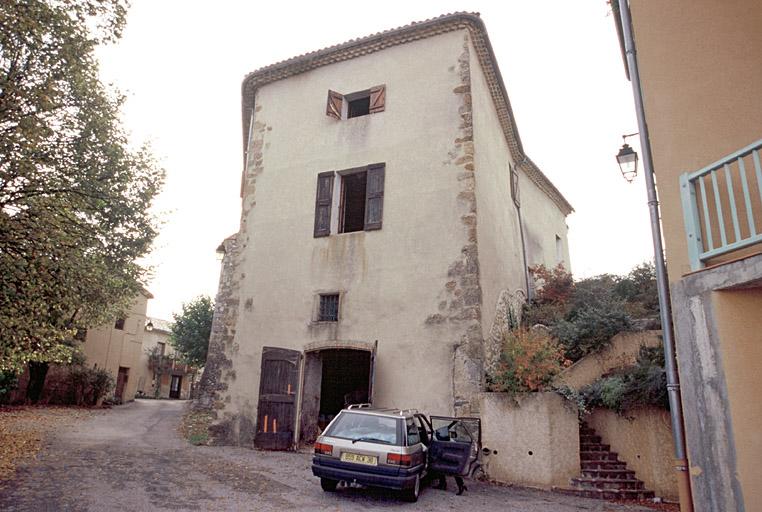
x=627, y=159
x=149, y=326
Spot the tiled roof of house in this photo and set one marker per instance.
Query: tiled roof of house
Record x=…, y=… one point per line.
x=407, y=33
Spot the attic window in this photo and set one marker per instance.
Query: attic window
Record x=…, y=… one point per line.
x=357, y=104
x=359, y=107
x=119, y=324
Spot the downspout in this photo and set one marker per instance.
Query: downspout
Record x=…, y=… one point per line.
x=673, y=379
x=521, y=232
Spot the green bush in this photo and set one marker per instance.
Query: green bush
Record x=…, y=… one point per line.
x=643, y=384
x=590, y=328
x=88, y=385
x=8, y=382
x=585, y=315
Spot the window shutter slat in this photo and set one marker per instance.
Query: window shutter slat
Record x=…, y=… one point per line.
x=374, y=197
x=334, y=104
x=323, y=198
x=377, y=99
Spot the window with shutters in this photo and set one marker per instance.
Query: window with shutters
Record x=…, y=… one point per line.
x=358, y=200
x=361, y=103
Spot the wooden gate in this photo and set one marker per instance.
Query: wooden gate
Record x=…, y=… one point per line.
x=276, y=412
x=121, y=381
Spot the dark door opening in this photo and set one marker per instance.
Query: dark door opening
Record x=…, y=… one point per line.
x=121, y=381
x=345, y=380
x=175, y=386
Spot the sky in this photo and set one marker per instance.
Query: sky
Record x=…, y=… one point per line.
x=180, y=63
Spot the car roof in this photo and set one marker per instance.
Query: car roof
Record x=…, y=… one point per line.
x=380, y=411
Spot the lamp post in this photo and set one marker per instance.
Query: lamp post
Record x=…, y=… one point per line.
x=627, y=158
x=149, y=326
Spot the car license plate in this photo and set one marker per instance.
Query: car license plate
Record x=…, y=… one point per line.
x=368, y=460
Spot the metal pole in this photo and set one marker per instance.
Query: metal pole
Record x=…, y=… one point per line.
x=673, y=380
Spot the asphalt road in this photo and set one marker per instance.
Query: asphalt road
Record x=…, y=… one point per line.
x=131, y=458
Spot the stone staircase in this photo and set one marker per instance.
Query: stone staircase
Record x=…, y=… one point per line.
x=603, y=475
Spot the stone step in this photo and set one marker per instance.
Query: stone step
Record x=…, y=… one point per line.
x=587, y=465
x=589, y=438
x=614, y=484
x=606, y=494
x=594, y=447
x=598, y=456
x=620, y=474
x=586, y=431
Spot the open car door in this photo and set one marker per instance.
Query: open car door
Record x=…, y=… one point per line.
x=455, y=444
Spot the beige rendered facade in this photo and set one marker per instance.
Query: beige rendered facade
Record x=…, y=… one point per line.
x=118, y=348
x=162, y=375
x=395, y=309
x=701, y=77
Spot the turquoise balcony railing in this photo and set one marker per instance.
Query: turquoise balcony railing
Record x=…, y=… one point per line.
x=722, y=205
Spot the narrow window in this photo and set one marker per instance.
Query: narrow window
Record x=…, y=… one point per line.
x=162, y=348
x=559, y=250
x=329, y=308
x=119, y=324
x=353, y=188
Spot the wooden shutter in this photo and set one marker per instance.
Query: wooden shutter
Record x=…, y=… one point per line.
x=278, y=385
x=377, y=98
x=323, y=199
x=374, y=197
x=334, y=105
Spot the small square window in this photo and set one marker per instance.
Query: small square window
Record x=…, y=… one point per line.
x=329, y=308
x=119, y=324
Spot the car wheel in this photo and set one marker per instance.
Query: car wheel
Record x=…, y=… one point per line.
x=411, y=494
x=328, y=485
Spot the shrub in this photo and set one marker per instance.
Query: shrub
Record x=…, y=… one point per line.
x=590, y=328
x=642, y=384
x=8, y=382
x=88, y=385
x=529, y=360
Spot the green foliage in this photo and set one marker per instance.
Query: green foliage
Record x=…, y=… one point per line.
x=8, y=382
x=191, y=330
x=574, y=397
x=590, y=328
x=88, y=385
x=642, y=384
x=529, y=360
x=74, y=197
x=585, y=315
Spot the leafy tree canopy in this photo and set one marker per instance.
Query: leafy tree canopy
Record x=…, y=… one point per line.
x=191, y=330
x=74, y=197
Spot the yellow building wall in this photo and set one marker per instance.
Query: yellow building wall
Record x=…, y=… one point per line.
x=701, y=75
x=739, y=325
x=110, y=348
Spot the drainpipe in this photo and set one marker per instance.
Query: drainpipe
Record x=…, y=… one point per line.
x=521, y=232
x=673, y=379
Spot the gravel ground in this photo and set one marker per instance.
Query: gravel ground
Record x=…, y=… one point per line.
x=131, y=458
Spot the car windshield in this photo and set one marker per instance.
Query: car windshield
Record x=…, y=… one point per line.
x=365, y=427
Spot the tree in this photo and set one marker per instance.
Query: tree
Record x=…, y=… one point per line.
x=74, y=196
x=190, y=332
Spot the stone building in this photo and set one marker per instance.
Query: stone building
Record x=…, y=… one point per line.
x=389, y=215
x=701, y=77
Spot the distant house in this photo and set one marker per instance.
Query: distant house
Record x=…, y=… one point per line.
x=118, y=348
x=389, y=212
x=162, y=374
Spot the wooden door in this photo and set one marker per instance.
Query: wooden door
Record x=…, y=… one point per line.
x=174, y=387
x=276, y=412
x=121, y=381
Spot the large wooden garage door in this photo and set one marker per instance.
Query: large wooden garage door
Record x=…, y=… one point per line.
x=276, y=413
